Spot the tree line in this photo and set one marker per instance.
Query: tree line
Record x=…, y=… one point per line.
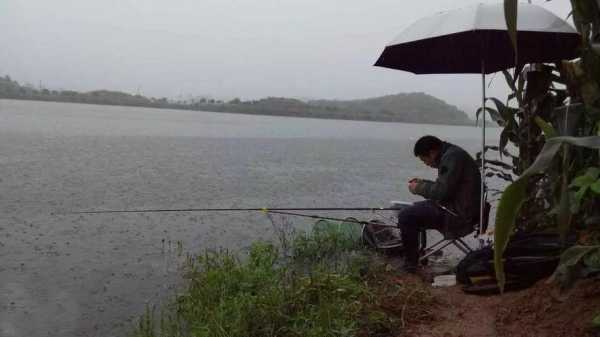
x=408, y=108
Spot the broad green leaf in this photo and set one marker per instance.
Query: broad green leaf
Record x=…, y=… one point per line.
x=592, y=259
x=580, y=194
x=510, y=15
x=582, y=181
x=570, y=259
x=593, y=172
x=513, y=197
x=596, y=322
x=595, y=187
x=574, y=254
x=546, y=127
x=544, y=159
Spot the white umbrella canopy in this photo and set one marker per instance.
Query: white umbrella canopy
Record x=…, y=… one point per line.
x=457, y=41
x=475, y=39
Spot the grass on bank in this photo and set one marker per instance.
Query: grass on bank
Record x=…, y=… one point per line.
x=324, y=284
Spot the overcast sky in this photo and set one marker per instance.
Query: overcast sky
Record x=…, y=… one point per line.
x=224, y=48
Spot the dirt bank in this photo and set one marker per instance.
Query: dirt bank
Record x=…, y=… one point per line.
x=540, y=311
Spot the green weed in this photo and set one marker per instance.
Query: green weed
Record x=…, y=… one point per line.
x=329, y=286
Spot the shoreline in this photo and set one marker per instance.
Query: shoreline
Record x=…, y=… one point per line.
x=190, y=108
x=308, y=116
x=318, y=283
x=327, y=283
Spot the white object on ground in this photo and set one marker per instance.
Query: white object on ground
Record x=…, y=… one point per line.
x=444, y=281
x=401, y=203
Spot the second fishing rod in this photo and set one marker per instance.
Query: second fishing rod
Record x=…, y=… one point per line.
x=292, y=211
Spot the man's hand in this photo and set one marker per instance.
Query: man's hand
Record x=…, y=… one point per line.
x=412, y=185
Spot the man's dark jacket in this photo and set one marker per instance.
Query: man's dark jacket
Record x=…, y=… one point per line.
x=458, y=186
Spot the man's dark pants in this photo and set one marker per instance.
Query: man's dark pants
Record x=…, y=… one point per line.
x=417, y=217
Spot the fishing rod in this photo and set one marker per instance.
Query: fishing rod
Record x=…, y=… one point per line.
x=282, y=211
x=350, y=220
x=263, y=209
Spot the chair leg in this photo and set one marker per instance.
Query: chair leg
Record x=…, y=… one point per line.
x=434, y=248
x=443, y=243
x=462, y=245
x=422, y=241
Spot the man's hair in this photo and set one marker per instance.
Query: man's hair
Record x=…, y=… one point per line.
x=425, y=144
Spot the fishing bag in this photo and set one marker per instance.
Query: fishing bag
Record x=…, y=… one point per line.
x=528, y=258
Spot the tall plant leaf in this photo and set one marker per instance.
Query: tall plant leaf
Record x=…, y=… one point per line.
x=510, y=15
x=578, y=18
x=507, y=134
x=505, y=117
x=507, y=113
x=564, y=206
x=564, y=210
x=510, y=202
x=593, y=172
x=504, y=139
x=580, y=194
x=565, y=273
x=583, y=183
x=510, y=80
x=595, y=187
x=494, y=114
x=586, y=179
x=547, y=128
x=513, y=197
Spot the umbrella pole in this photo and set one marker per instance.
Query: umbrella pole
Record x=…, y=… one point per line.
x=482, y=198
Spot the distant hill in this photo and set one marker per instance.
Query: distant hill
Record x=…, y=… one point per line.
x=406, y=108
x=409, y=108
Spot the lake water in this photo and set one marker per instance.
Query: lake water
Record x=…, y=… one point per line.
x=92, y=275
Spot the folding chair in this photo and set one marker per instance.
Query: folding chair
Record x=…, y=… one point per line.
x=385, y=237
x=453, y=237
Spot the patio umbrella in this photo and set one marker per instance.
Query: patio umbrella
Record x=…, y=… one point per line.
x=475, y=40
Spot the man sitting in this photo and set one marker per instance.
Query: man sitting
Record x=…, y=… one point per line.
x=453, y=200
